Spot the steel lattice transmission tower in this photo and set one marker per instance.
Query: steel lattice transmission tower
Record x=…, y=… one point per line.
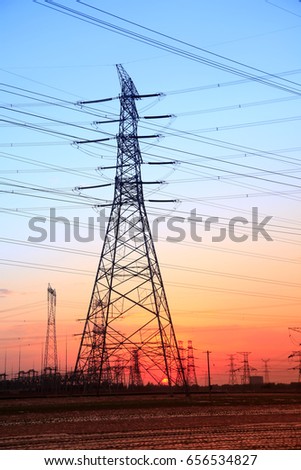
x=190, y=365
x=266, y=371
x=50, y=353
x=182, y=352
x=232, y=370
x=128, y=318
x=246, y=368
x=135, y=378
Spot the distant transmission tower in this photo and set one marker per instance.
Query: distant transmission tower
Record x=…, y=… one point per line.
x=128, y=319
x=135, y=370
x=232, y=370
x=119, y=373
x=246, y=368
x=182, y=352
x=190, y=367
x=266, y=371
x=50, y=353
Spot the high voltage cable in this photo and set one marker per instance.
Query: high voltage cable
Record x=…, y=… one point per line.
x=50, y=166
x=243, y=175
x=44, y=130
x=206, y=199
x=90, y=199
x=250, y=151
x=68, y=304
x=79, y=198
x=209, y=141
x=180, y=52
x=211, y=129
x=48, y=198
x=41, y=129
x=228, y=171
x=224, y=207
x=38, y=197
x=214, y=158
x=219, y=223
x=235, y=106
x=37, y=94
x=241, y=309
x=248, y=124
x=75, y=105
x=200, y=178
x=60, y=103
x=243, y=211
x=181, y=41
x=220, y=160
x=220, y=128
x=224, y=144
x=221, y=177
x=65, y=269
x=169, y=266
x=212, y=140
x=229, y=83
x=19, y=184
x=27, y=306
x=45, y=170
x=204, y=246
x=56, y=121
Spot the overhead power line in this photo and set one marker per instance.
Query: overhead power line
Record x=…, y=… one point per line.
x=245, y=71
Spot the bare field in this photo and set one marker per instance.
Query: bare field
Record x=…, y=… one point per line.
x=246, y=421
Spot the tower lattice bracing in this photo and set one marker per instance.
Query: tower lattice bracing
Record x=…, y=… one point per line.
x=135, y=377
x=266, y=371
x=246, y=368
x=182, y=352
x=128, y=320
x=50, y=353
x=232, y=370
x=190, y=366
x=297, y=356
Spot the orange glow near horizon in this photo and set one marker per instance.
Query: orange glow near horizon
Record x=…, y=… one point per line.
x=211, y=316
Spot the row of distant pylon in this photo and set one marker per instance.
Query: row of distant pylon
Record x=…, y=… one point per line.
x=246, y=369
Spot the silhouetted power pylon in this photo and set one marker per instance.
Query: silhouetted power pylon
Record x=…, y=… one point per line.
x=232, y=370
x=119, y=373
x=266, y=371
x=182, y=352
x=190, y=366
x=246, y=368
x=128, y=317
x=135, y=370
x=50, y=353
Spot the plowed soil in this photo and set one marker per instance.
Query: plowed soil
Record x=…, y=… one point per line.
x=268, y=421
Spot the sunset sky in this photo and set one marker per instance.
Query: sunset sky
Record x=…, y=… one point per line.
x=230, y=77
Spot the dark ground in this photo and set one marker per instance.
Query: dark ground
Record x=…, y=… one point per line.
x=226, y=421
